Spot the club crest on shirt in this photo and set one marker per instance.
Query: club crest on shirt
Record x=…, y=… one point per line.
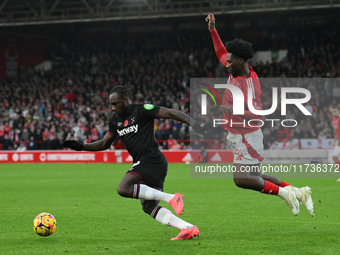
x=126, y=123
x=234, y=81
x=133, y=119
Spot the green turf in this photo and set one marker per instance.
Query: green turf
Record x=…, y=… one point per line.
x=93, y=219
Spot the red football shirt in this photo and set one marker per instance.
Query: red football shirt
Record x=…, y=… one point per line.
x=336, y=126
x=243, y=83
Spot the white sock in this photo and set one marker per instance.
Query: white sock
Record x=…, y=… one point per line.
x=298, y=193
x=164, y=216
x=141, y=191
x=282, y=192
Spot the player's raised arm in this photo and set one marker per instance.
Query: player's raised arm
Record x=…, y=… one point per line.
x=199, y=127
x=99, y=145
x=220, y=49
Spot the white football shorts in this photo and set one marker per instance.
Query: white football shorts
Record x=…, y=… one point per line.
x=336, y=152
x=247, y=148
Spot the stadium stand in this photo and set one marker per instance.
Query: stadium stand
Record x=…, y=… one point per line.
x=40, y=108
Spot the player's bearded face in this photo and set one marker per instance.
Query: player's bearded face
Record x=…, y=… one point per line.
x=119, y=105
x=124, y=109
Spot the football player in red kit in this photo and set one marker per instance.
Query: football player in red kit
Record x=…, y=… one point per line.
x=246, y=140
x=336, y=126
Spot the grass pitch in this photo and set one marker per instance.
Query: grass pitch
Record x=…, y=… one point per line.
x=93, y=219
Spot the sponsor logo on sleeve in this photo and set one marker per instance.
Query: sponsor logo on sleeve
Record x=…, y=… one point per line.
x=149, y=106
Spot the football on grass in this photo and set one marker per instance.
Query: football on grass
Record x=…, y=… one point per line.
x=44, y=224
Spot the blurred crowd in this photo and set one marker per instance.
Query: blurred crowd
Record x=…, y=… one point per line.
x=40, y=109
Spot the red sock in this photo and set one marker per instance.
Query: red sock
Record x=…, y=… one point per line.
x=338, y=164
x=270, y=188
x=284, y=184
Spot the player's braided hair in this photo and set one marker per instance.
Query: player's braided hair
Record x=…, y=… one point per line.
x=240, y=48
x=122, y=92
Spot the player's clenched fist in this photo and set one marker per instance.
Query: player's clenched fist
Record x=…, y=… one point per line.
x=73, y=144
x=211, y=21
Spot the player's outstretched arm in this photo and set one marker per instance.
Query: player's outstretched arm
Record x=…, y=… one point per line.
x=99, y=145
x=167, y=113
x=219, y=47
